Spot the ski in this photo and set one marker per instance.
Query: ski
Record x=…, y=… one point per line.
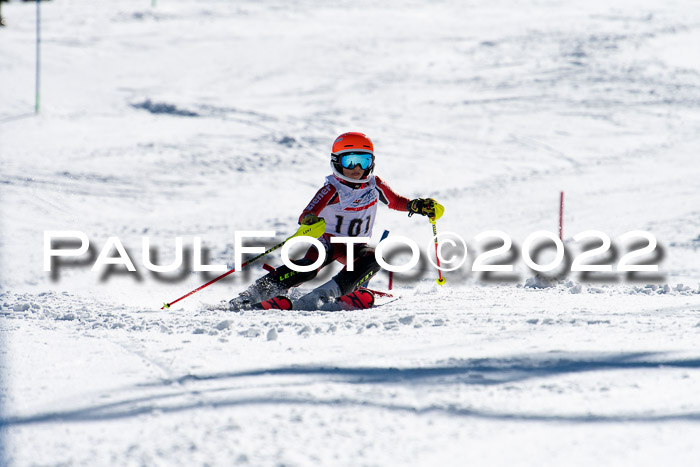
x=275, y=303
x=391, y=299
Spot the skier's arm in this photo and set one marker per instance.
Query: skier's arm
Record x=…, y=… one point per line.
x=390, y=197
x=322, y=198
x=422, y=206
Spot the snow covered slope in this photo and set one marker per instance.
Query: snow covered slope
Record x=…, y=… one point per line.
x=201, y=118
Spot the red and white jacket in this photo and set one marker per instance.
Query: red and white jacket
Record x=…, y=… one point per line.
x=348, y=211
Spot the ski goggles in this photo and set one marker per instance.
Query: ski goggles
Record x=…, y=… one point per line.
x=353, y=159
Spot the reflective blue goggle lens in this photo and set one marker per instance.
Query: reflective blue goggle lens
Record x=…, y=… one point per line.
x=363, y=159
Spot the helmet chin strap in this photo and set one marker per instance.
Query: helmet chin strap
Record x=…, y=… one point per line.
x=348, y=179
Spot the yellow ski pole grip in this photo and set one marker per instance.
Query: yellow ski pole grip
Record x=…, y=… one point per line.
x=313, y=230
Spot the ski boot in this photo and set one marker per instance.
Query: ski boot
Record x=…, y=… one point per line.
x=261, y=290
x=275, y=303
x=318, y=297
x=359, y=299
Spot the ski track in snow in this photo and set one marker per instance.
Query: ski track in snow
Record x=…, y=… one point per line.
x=443, y=363
x=202, y=118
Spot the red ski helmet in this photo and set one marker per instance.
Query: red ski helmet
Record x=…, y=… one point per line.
x=352, y=143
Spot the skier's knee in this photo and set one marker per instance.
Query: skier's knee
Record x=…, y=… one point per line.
x=288, y=278
x=364, y=268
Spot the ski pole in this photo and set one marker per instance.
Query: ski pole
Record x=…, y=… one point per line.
x=366, y=283
x=315, y=230
x=440, y=280
x=391, y=273
x=437, y=214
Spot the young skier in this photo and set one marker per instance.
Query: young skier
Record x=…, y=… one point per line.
x=348, y=203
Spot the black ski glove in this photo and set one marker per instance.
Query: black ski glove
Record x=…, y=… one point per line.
x=422, y=206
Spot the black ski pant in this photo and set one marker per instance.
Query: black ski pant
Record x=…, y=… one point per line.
x=365, y=266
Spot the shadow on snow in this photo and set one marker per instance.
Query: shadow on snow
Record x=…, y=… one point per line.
x=486, y=371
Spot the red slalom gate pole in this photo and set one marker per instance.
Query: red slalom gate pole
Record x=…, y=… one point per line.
x=561, y=216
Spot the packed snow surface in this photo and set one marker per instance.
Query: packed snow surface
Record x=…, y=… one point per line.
x=192, y=119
